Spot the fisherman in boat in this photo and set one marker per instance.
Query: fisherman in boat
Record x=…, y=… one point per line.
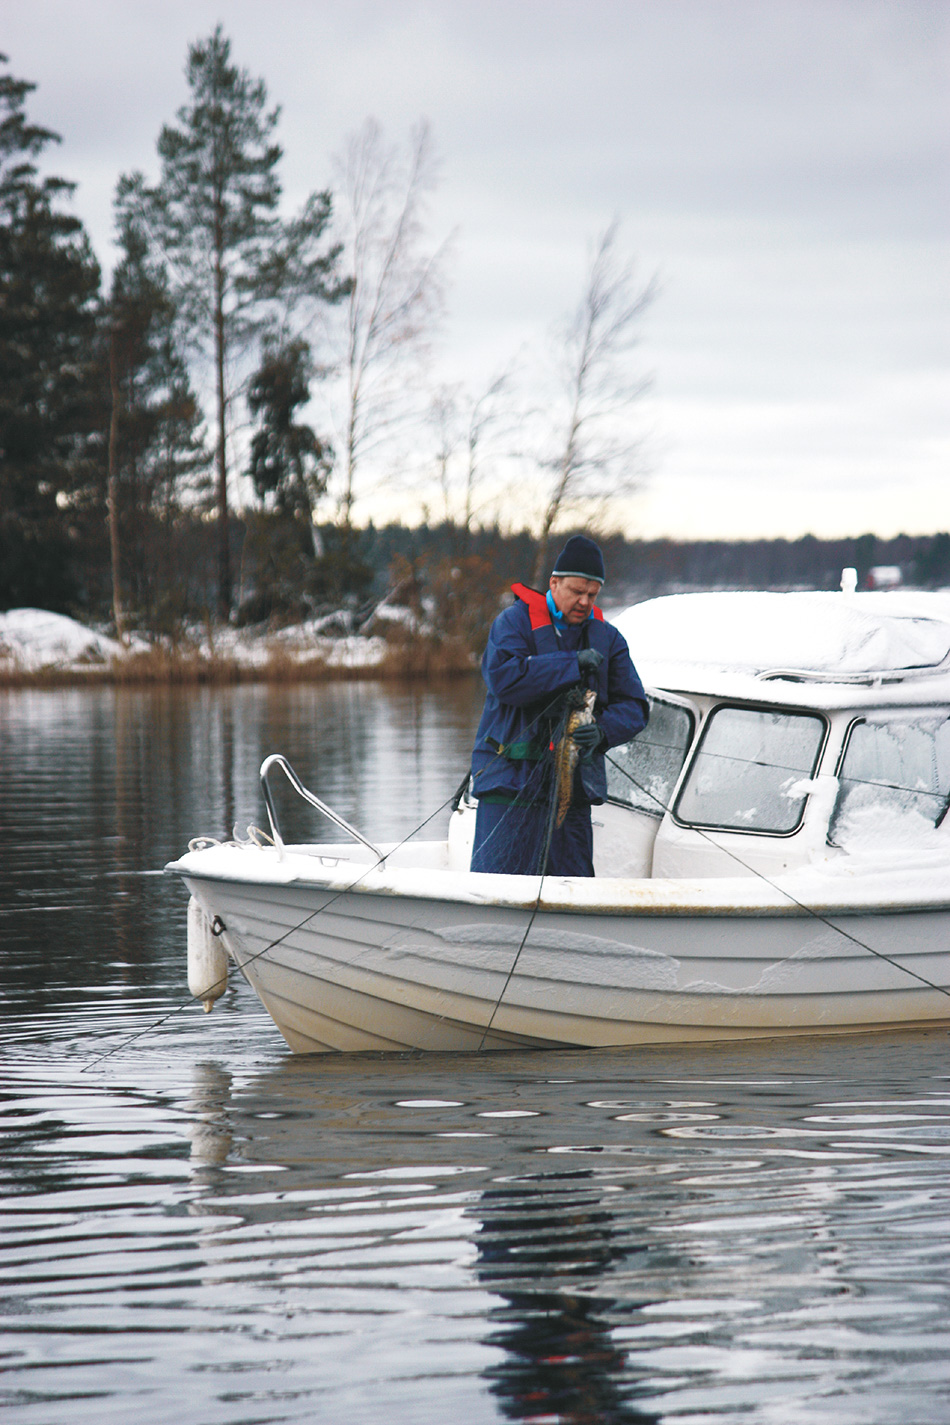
x=541, y=651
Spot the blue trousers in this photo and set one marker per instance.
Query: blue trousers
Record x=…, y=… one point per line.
x=510, y=839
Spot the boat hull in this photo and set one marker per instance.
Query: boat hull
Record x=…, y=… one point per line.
x=353, y=970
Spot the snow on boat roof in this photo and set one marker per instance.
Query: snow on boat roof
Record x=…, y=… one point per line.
x=815, y=649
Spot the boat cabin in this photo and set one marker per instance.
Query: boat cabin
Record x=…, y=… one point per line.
x=785, y=729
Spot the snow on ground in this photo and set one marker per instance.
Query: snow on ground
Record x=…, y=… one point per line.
x=301, y=643
x=31, y=639
x=822, y=632
x=352, y=652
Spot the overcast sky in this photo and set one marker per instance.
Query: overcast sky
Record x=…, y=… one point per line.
x=782, y=164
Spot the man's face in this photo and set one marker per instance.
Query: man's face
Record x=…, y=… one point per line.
x=574, y=597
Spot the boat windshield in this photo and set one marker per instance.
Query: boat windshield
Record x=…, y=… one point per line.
x=752, y=770
x=894, y=779
x=642, y=773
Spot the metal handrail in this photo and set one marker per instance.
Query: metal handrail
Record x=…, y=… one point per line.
x=275, y=759
x=872, y=678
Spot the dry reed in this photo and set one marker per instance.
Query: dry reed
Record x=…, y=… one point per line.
x=412, y=657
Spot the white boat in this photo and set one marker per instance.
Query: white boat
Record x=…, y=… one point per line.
x=773, y=859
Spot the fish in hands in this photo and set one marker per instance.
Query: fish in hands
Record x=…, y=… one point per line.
x=568, y=752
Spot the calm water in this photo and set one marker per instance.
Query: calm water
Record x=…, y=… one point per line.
x=202, y=1228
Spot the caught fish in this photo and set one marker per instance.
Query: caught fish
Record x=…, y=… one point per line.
x=566, y=753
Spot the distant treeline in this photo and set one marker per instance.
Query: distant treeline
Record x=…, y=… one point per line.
x=644, y=568
x=664, y=565
x=287, y=570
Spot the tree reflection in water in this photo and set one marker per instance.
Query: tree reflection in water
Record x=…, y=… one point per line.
x=543, y=1247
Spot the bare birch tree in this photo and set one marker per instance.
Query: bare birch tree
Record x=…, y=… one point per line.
x=444, y=418
x=471, y=435
x=396, y=295
x=598, y=453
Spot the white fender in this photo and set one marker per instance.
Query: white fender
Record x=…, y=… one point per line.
x=207, y=958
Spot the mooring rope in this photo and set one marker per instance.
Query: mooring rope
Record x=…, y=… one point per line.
x=754, y=870
x=454, y=801
x=802, y=905
x=197, y=999
x=545, y=853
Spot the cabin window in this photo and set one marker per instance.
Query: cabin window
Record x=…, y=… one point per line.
x=894, y=777
x=643, y=773
x=751, y=771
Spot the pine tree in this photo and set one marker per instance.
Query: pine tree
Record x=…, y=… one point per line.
x=214, y=213
x=289, y=466
x=50, y=419
x=288, y=459
x=157, y=456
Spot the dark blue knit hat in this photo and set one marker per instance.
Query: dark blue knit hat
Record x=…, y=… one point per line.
x=580, y=558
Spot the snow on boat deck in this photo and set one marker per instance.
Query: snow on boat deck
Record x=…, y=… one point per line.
x=841, y=885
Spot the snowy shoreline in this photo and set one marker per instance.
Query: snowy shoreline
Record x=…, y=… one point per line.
x=37, y=646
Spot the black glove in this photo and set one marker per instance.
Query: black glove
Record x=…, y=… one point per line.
x=587, y=739
x=589, y=660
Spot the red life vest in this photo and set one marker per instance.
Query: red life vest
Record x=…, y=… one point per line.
x=538, y=611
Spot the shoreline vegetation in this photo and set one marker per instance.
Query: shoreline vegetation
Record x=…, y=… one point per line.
x=174, y=671
x=424, y=612
x=42, y=649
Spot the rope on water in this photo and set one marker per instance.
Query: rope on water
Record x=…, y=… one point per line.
x=452, y=801
x=197, y=999
x=546, y=851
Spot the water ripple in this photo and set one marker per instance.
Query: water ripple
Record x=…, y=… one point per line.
x=199, y=1228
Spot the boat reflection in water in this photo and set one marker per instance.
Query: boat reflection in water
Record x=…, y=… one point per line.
x=702, y=1232
x=209, y=1129
x=543, y=1246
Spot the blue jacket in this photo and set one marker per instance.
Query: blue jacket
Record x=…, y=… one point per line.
x=527, y=666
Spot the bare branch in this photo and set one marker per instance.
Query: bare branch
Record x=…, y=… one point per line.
x=396, y=298
x=598, y=455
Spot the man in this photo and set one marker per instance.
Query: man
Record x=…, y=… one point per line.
x=538, y=649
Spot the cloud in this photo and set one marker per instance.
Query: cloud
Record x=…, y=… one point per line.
x=782, y=165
